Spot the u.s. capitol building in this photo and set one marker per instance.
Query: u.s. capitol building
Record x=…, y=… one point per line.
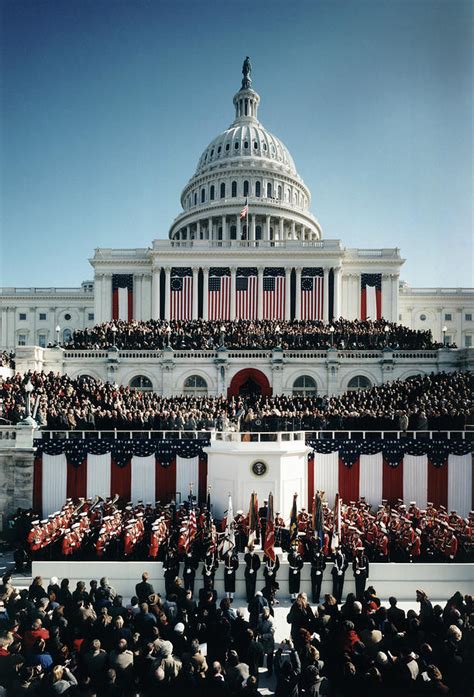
x=245, y=245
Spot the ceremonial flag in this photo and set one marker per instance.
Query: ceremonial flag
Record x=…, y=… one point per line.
x=312, y=292
x=336, y=526
x=274, y=281
x=181, y=294
x=371, y=296
x=246, y=286
x=254, y=522
x=228, y=542
x=294, y=522
x=269, y=542
x=318, y=520
x=190, y=524
x=122, y=296
x=245, y=210
x=219, y=290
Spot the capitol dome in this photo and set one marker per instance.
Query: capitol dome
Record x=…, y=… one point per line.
x=245, y=164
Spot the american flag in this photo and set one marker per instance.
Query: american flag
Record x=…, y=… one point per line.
x=294, y=522
x=336, y=528
x=245, y=210
x=274, y=294
x=219, y=294
x=269, y=541
x=181, y=294
x=312, y=290
x=246, y=284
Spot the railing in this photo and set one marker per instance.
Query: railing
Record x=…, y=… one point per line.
x=254, y=436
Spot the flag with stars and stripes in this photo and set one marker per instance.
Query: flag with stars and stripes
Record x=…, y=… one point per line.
x=371, y=296
x=181, y=293
x=246, y=288
x=312, y=293
x=274, y=284
x=219, y=294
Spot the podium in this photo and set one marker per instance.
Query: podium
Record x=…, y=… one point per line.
x=239, y=463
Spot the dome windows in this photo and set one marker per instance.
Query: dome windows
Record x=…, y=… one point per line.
x=269, y=190
x=236, y=145
x=246, y=144
x=265, y=146
x=234, y=189
x=212, y=152
x=227, y=147
x=255, y=145
x=203, y=195
x=258, y=189
x=195, y=198
x=219, y=150
x=222, y=192
x=212, y=192
x=279, y=193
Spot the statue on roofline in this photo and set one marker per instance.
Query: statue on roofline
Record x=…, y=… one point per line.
x=246, y=72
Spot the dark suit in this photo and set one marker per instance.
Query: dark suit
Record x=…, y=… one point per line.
x=338, y=572
x=143, y=590
x=360, y=567
x=252, y=565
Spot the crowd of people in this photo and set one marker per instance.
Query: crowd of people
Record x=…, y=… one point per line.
x=251, y=334
x=425, y=402
x=7, y=359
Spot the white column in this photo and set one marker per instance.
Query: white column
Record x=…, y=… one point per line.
x=282, y=229
x=254, y=225
x=11, y=327
x=337, y=292
x=298, y=294
x=146, y=296
x=155, y=293
x=293, y=230
x=326, y=296
x=233, y=274
x=209, y=229
x=198, y=230
x=137, y=296
x=267, y=227
x=395, y=294
x=260, y=293
x=168, y=293
x=195, y=292
x=224, y=230
x=205, y=292
x=287, y=291
x=4, y=328
x=386, y=295
x=97, y=299
x=107, y=296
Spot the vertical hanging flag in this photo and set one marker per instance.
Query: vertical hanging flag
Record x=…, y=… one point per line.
x=219, y=294
x=371, y=296
x=318, y=521
x=294, y=522
x=336, y=526
x=246, y=293
x=228, y=542
x=122, y=296
x=269, y=542
x=254, y=521
x=181, y=293
x=245, y=210
x=274, y=293
x=312, y=293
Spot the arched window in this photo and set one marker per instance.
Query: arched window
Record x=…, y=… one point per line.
x=203, y=195
x=223, y=190
x=233, y=232
x=141, y=382
x=246, y=188
x=211, y=192
x=257, y=188
x=67, y=335
x=195, y=198
x=269, y=190
x=359, y=382
x=304, y=386
x=279, y=193
x=258, y=232
x=234, y=189
x=195, y=385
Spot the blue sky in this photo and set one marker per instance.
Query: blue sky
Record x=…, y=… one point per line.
x=106, y=107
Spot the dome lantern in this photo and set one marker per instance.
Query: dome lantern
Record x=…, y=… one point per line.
x=246, y=100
